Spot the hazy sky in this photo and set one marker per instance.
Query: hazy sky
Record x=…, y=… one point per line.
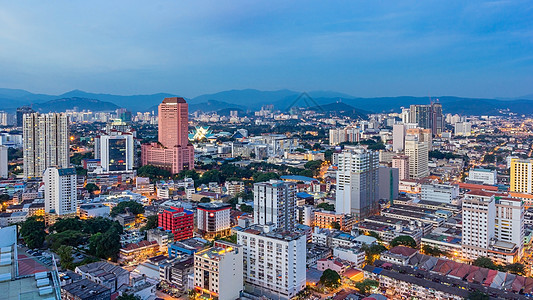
x=364, y=48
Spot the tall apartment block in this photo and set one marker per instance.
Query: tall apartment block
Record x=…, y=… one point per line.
x=401, y=162
x=521, y=175
x=492, y=227
x=275, y=203
x=21, y=111
x=218, y=271
x=274, y=261
x=45, y=143
x=213, y=219
x=179, y=221
x=173, y=152
x=357, y=183
x=60, y=197
x=418, y=154
x=3, y=162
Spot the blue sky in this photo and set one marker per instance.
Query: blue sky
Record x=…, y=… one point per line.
x=363, y=48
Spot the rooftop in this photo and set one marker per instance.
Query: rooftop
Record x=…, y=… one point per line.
x=84, y=289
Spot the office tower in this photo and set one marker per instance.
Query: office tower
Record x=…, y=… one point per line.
x=463, y=129
x=401, y=162
x=45, y=143
x=179, y=221
x=275, y=261
x=423, y=135
x=116, y=151
x=21, y=111
x=173, y=152
x=275, y=203
x=521, y=175
x=3, y=162
x=483, y=176
x=398, y=137
x=418, y=157
x=405, y=115
x=388, y=183
x=428, y=117
x=347, y=134
x=492, y=227
x=218, y=271
x=60, y=197
x=213, y=219
x=357, y=183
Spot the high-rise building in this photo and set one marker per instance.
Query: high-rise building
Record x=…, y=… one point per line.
x=398, y=137
x=116, y=152
x=275, y=261
x=179, y=221
x=275, y=203
x=60, y=197
x=521, y=175
x=357, y=183
x=3, y=162
x=492, y=227
x=423, y=135
x=483, y=176
x=463, y=129
x=418, y=157
x=218, y=271
x=347, y=134
x=45, y=143
x=21, y=111
x=173, y=152
x=388, y=183
x=213, y=219
x=401, y=162
x=428, y=117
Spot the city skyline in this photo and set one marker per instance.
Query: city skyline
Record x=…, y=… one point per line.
x=478, y=49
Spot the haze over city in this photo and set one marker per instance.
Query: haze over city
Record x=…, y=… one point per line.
x=457, y=48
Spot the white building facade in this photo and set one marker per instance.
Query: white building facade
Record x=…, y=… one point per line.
x=60, y=191
x=275, y=203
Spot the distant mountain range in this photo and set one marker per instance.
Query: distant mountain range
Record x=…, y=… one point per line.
x=251, y=99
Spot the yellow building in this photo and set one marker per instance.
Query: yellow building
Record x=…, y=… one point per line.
x=521, y=175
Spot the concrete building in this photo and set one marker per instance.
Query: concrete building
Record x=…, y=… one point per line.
x=357, y=183
x=85, y=290
x=218, y=271
x=444, y=193
x=106, y=274
x=428, y=117
x=176, y=271
x=275, y=203
x=234, y=187
x=45, y=143
x=3, y=162
x=179, y=221
x=398, y=137
x=60, y=192
x=87, y=211
x=388, y=183
x=521, y=175
x=418, y=157
x=173, y=152
x=463, y=129
x=213, y=219
x=116, y=152
x=483, y=176
x=401, y=162
x=275, y=261
x=340, y=135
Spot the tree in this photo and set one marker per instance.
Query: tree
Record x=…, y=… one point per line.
x=153, y=172
x=151, y=223
x=366, y=285
x=516, y=268
x=477, y=295
x=188, y=174
x=67, y=237
x=330, y=278
x=65, y=224
x=246, y=208
x=433, y=251
x=76, y=158
x=403, y=240
x=65, y=256
x=374, y=235
x=128, y=297
x=100, y=225
x=326, y=206
x=328, y=155
x=262, y=177
x=105, y=245
x=91, y=187
x=134, y=207
x=211, y=176
x=335, y=225
x=485, y=262
x=372, y=252
x=205, y=200
x=32, y=231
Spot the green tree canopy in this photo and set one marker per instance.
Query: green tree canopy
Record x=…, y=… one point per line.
x=485, y=262
x=246, y=208
x=105, y=245
x=91, y=187
x=153, y=172
x=477, y=295
x=65, y=256
x=516, y=268
x=326, y=206
x=262, y=177
x=403, y=240
x=372, y=252
x=330, y=278
x=128, y=297
x=205, y=200
x=366, y=285
x=335, y=225
x=134, y=207
x=67, y=237
x=32, y=231
x=151, y=223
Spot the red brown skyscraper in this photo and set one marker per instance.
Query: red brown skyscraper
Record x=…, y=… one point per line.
x=173, y=152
